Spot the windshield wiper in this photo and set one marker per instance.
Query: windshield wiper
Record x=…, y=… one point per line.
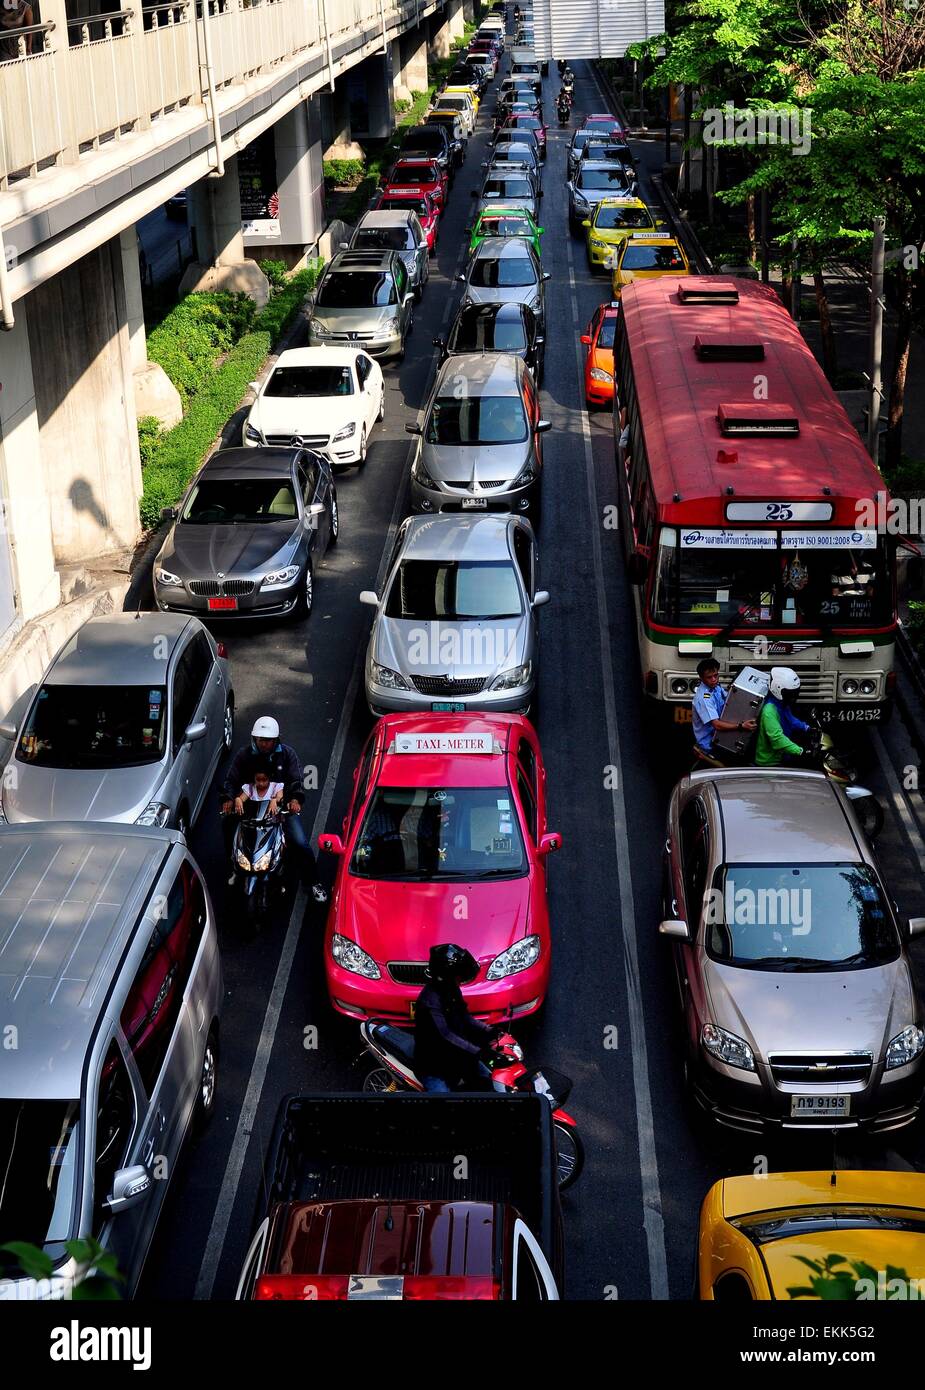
x=791, y=963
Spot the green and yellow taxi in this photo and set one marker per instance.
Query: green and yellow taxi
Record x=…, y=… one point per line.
x=610, y=224
x=505, y=222
x=646, y=256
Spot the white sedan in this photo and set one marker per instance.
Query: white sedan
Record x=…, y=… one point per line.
x=327, y=398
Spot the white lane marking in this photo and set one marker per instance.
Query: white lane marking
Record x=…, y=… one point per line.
x=245, y=1124
x=653, y=1220
x=903, y=809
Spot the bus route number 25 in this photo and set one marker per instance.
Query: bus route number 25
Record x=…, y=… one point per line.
x=779, y=511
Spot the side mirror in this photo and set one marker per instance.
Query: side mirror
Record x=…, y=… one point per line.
x=540, y=598
x=539, y=340
x=461, y=278
x=474, y=193
x=677, y=929
x=586, y=339
x=917, y=926
x=253, y=386
x=196, y=731
x=370, y=597
x=129, y=1187
x=412, y=429
x=438, y=343
x=540, y=193
x=547, y=275
x=586, y=222
x=549, y=843
x=542, y=426
x=345, y=245
x=331, y=844
x=315, y=509
x=7, y=730
x=169, y=513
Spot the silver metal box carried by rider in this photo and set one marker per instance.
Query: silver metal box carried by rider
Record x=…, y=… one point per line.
x=743, y=701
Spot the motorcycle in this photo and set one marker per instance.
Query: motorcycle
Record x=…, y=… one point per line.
x=257, y=853
x=393, y=1050
x=822, y=755
x=564, y=112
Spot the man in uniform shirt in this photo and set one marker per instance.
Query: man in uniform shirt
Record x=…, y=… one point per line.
x=708, y=705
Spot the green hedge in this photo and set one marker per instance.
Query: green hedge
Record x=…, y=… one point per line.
x=198, y=330
x=343, y=173
x=177, y=454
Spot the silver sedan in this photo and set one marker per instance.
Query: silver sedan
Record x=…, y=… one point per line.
x=455, y=627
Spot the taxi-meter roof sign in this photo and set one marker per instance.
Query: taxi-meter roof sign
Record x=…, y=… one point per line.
x=426, y=742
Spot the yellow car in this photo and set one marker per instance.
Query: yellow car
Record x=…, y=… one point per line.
x=756, y=1231
x=646, y=256
x=464, y=91
x=612, y=222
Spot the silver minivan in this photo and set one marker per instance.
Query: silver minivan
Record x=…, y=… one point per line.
x=112, y=985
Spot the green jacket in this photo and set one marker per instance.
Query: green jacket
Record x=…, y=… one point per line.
x=773, y=743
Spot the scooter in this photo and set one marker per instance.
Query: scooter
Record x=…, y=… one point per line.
x=393, y=1049
x=257, y=852
x=822, y=756
x=564, y=112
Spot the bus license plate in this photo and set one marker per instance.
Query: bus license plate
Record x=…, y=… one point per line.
x=848, y=714
x=683, y=714
x=448, y=707
x=819, y=1105
x=223, y=603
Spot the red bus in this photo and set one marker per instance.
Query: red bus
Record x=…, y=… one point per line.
x=741, y=483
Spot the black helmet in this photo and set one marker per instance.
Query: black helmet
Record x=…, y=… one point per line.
x=451, y=964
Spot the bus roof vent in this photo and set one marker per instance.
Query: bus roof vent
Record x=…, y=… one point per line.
x=720, y=349
x=757, y=417
x=707, y=291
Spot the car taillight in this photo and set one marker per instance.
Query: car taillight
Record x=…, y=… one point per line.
x=432, y=1286
x=221, y=649
x=302, y=1287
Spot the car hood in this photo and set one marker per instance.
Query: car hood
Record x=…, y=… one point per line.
x=475, y=463
x=831, y=1011
x=462, y=650
x=515, y=294
x=488, y=204
x=401, y=921
x=97, y=794
x=230, y=550
x=303, y=415
x=353, y=320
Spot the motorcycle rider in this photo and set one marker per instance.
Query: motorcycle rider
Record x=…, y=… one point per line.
x=777, y=722
x=563, y=106
x=561, y=64
x=448, y=1042
x=266, y=750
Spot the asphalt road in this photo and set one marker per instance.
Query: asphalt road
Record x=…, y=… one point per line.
x=611, y=1020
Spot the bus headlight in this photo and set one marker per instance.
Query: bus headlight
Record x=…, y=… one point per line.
x=849, y=686
x=679, y=686
x=868, y=687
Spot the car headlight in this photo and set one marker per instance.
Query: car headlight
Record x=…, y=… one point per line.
x=278, y=579
x=905, y=1047
x=350, y=956
x=598, y=244
x=155, y=813
x=726, y=1047
x=263, y=863
x=420, y=475
x=346, y=433
x=525, y=478
x=391, y=325
x=516, y=958
x=166, y=578
x=243, y=862
x=387, y=678
x=251, y=433
x=597, y=374
x=517, y=675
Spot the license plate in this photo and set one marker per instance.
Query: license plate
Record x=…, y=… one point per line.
x=683, y=714
x=819, y=1105
x=849, y=714
x=474, y=503
x=448, y=707
x=223, y=603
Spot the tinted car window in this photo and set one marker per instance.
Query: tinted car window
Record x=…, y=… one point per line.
x=115, y=1122
x=507, y=272
x=385, y=238
x=356, y=289
x=38, y=1148
x=95, y=726
x=622, y=217
x=477, y=420
x=437, y=833
x=476, y=332
x=607, y=334
x=431, y=589
x=507, y=188
x=292, y=382
x=602, y=178
x=233, y=501
x=651, y=258
x=417, y=205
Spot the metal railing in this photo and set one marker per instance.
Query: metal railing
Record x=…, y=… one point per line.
x=124, y=70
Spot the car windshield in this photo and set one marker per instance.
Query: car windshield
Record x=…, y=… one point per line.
x=504, y=226
x=415, y=173
x=95, y=726
x=602, y=178
x=579, y=139
x=39, y=1167
x=799, y=917
x=651, y=258
x=424, y=833
x=475, y=332
x=457, y=589
x=526, y=123
x=507, y=272
x=384, y=238
x=605, y=339
x=290, y=382
x=507, y=188
x=239, y=501
x=425, y=140
x=605, y=152
x=622, y=217
x=477, y=420
x=417, y=205
x=775, y=583
x=356, y=289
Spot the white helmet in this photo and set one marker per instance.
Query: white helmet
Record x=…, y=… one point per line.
x=783, y=680
x=266, y=727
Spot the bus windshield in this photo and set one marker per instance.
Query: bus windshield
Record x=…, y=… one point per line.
x=778, y=584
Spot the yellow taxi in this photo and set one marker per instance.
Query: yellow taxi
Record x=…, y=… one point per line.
x=463, y=91
x=863, y=1234
x=646, y=256
x=611, y=223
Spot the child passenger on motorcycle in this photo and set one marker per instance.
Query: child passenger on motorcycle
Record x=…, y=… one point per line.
x=260, y=790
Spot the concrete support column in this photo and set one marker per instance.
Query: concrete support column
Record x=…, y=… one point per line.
x=134, y=308
x=409, y=62
x=337, y=134
x=372, y=80
x=469, y=11
x=84, y=400
x=440, y=39
x=28, y=565
x=300, y=182
x=215, y=212
x=456, y=18
x=154, y=392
